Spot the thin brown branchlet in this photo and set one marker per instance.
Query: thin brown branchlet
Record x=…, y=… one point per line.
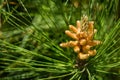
x=83, y=38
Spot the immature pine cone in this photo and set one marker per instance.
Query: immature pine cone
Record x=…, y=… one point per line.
x=83, y=35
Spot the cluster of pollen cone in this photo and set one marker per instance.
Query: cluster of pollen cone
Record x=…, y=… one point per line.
x=82, y=36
